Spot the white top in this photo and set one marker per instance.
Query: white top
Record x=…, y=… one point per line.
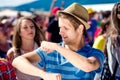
x=22, y=76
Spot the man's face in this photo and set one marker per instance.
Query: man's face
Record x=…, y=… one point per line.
x=68, y=33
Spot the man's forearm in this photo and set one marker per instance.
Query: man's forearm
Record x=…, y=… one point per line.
x=86, y=64
x=25, y=66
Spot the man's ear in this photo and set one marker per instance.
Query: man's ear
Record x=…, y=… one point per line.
x=81, y=28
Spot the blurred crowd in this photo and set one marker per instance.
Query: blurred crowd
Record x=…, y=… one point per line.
x=97, y=20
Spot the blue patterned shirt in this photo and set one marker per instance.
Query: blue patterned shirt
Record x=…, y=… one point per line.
x=56, y=63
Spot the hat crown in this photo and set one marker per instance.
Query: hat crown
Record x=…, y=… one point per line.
x=78, y=11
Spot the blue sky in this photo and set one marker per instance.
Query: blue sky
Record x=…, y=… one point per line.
x=14, y=2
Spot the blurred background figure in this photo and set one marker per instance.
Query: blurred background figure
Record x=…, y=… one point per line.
x=4, y=43
x=7, y=72
x=93, y=25
x=100, y=41
x=52, y=33
x=39, y=20
x=105, y=17
x=27, y=37
x=8, y=22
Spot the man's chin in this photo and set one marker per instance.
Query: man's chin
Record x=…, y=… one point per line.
x=65, y=42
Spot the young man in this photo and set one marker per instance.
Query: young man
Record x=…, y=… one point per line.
x=69, y=60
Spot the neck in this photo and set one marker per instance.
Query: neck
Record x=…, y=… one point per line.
x=28, y=45
x=75, y=46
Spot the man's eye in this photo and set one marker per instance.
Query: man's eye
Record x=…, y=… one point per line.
x=25, y=27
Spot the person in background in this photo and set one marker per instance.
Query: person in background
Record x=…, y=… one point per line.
x=72, y=59
x=39, y=20
x=52, y=32
x=7, y=72
x=26, y=38
x=5, y=45
x=52, y=11
x=8, y=27
x=113, y=41
x=93, y=26
x=104, y=17
x=100, y=41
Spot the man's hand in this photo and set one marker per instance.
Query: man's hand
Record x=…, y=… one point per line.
x=48, y=46
x=52, y=76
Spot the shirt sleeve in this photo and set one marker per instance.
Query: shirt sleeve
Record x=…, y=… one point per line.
x=42, y=55
x=100, y=56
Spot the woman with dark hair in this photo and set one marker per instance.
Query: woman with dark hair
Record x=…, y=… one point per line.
x=113, y=42
x=27, y=37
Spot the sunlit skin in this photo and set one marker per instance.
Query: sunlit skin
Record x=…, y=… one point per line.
x=27, y=30
x=68, y=33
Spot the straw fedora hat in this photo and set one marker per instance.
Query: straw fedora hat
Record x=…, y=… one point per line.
x=79, y=12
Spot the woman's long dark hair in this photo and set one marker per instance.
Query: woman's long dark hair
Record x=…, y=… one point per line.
x=114, y=31
x=17, y=41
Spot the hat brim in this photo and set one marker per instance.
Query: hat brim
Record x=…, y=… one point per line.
x=87, y=26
